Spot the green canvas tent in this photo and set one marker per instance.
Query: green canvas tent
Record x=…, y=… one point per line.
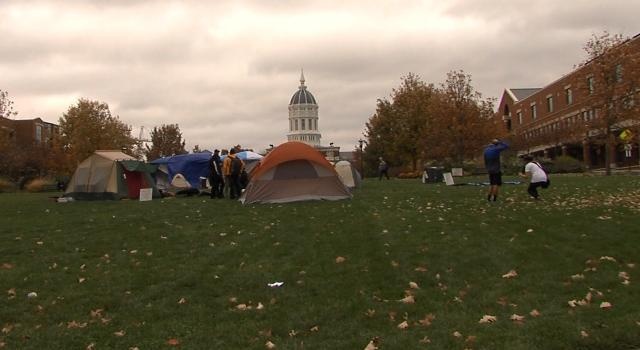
x=111, y=175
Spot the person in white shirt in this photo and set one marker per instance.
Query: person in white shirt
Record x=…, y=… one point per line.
x=537, y=176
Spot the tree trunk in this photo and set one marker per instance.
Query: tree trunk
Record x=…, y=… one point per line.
x=608, y=144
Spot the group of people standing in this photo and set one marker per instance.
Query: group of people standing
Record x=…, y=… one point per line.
x=532, y=170
x=225, y=175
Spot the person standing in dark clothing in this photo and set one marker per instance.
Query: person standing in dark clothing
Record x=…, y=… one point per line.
x=383, y=169
x=215, y=175
x=231, y=169
x=493, y=166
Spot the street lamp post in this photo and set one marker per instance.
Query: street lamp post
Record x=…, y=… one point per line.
x=361, y=142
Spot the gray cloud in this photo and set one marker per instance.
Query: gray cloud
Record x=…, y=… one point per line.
x=225, y=71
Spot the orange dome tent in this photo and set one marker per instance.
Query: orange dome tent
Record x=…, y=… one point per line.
x=294, y=171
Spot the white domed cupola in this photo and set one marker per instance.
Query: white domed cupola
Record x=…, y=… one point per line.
x=303, y=116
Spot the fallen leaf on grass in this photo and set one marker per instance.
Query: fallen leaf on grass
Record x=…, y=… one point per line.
x=534, y=313
x=608, y=258
x=96, y=313
x=269, y=345
x=584, y=334
x=403, y=325
x=394, y=263
x=74, y=325
x=409, y=299
x=517, y=318
x=173, y=342
x=370, y=312
x=340, y=259
x=605, y=305
x=7, y=328
x=314, y=329
x=457, y=334
x=293, y=333
x=577, y=277
x=372, y=345
x=427, y=320
x=413, y=285
x=488, y=319
x=7, y=266
x=81, y=279
x=91, y=346
x=425, y=340
x=420, y=269
x=119, y=333
x=182, y=301
x=510, y=274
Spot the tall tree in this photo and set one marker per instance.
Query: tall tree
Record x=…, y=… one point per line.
x=394, y=131
x=611, y=87
x=461, y=121
x=166, y=140
x=89, y=126
x=6, y=105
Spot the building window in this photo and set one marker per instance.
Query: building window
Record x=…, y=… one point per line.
x=588, y=115
x=550, y=104
x=569, y=96
x=303, y=124
x=519, y=114
x=591, y=85
x=38, y=133
x=296, y=123
x=618, y=73
x=534, y=112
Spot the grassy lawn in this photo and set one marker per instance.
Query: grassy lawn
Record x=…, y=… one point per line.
x=193, y=272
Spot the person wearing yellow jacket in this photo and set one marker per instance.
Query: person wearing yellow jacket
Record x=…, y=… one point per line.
x=231, y=169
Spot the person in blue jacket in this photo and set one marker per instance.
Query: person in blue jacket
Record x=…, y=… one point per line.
x=492, y=164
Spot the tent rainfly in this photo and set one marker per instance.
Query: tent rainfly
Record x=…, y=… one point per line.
x=110, y=175
x=192, y=166
x=294, y=171
x=348, y=174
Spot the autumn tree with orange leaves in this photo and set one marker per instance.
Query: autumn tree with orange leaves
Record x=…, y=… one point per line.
x=420, y=122
x=461, y=121
x=85, y=128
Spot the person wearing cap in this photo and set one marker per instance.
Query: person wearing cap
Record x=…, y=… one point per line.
x=493, y=166
x=215, y=175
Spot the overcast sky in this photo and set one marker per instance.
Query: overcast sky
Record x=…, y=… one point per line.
x=225, y=70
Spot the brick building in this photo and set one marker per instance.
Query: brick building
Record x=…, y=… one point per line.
x=554, y=120
x=28, y=132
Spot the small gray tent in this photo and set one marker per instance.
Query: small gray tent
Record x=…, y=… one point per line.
x=111, y=175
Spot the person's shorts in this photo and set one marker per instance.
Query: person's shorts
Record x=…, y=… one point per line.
x=495, y=179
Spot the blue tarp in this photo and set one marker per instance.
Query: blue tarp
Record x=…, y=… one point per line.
x=192, y=166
